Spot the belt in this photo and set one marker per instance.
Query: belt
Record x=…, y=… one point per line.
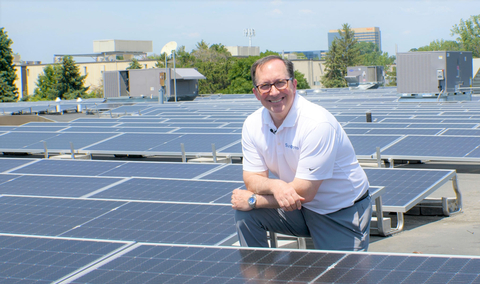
x=365, y=195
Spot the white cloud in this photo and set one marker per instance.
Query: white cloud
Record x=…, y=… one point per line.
x=276, y=2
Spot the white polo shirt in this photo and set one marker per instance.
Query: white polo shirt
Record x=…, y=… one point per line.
x=310, y=144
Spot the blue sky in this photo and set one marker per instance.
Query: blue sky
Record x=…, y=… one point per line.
x=41, y=28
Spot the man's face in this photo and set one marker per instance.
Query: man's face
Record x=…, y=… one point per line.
x=277, y=102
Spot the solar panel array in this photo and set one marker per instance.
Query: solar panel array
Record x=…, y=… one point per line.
x=79, y=221
x=93, y=221
x=159, y=129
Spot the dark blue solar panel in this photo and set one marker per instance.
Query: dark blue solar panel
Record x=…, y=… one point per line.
x=231, y=172
x=69, y=167
x=405, y=131
x=207, y=130
x=161, y=222
x=367, y=145
x=37, y=260
x=462, y=132
x=201, y=124
x=39, y=128
x=62, y=141
x=234, y=124
x=160, y=170
x=171, y=190
x=474, y=153
x=22, y=140
x=403, y=186
x=145, y=129
x=198, y=142
x=234, y=149
x=356, y=130
x=134, y=142
x=433, y=146
x=377, y=125
x=174, y=264
x=52, y=185
x=48, y=216
x=8, y=164
x=442, y=125
x=90, y=129
x=98, y=124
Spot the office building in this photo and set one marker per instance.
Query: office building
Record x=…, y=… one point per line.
x=371, y=34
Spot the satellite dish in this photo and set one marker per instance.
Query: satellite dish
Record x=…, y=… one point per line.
x=167, y=48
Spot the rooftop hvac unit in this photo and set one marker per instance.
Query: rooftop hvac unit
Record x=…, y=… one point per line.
x=365, y=77
x=437, y=73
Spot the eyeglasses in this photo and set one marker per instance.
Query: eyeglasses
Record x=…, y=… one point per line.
x=279, y=85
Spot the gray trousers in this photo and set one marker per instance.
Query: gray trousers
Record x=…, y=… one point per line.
x=347, y=229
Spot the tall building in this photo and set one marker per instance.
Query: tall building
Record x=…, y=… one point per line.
x=371, y=34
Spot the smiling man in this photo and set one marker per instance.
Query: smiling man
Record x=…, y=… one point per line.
x=321, y=190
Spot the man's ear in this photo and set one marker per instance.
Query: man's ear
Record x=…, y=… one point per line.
x=257, y=95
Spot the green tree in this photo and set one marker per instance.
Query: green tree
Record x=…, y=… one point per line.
x=391, y=76
x=468, y=33
x=343, y=53
x=47, y=84
x=134, y=64
x=333, y=77
x=301, y=80
x=8, y=90
x=214, y=62
x=440, y=45
x=183, y=58
x=71, y=83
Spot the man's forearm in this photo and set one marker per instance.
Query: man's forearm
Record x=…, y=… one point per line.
x=261, y=185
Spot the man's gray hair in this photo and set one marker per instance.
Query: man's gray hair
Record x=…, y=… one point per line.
x=260, y=62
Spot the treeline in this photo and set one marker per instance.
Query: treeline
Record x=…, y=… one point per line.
x=224, y=74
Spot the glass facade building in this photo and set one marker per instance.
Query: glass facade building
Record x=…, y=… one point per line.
x=371, y=34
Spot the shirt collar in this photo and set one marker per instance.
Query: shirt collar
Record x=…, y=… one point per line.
x=291, y=117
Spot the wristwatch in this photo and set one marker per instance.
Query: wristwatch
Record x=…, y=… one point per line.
x=252, y=201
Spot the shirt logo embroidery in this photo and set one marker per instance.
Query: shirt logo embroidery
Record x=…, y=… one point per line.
x=291, y=147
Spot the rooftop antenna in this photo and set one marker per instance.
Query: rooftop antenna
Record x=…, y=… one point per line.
x=249, y=33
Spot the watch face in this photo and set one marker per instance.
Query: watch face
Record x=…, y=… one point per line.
x=251, y=200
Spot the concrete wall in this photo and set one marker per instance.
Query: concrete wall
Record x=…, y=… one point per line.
x=313, y=71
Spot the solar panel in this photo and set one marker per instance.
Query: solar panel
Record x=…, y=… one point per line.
x=115, y=220
x=39, y=128
x=461, y=132
x=192, y=130
x=160, y=170
x=61, y=141
x=68, y=167
x=366, y=145
x=21, y=140
x=184, y=264
x=443, y=125
x=161, y=222
x=9, y=164
x=28, y=260
x=48, y=216
x=171, y=190
x=432, y=146
x=198, y=142
x=406, y=131
x=52, y=185
x=404, y=188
